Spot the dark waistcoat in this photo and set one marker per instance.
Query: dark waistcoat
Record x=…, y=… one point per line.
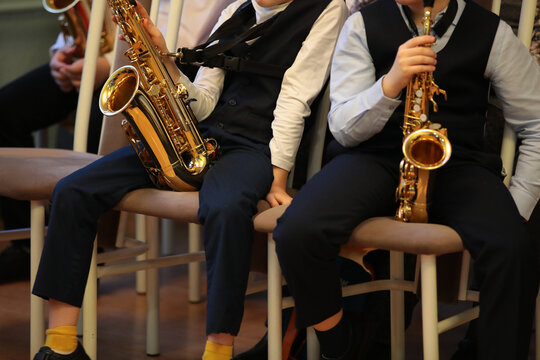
x=248, y=100
x=460, y=71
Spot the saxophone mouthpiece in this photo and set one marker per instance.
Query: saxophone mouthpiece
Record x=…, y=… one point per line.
x=429, y=3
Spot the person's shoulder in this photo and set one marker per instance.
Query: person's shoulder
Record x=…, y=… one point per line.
x=473, y=6
x=338, y=7
x=232, y=7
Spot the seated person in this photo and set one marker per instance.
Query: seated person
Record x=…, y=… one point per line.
x=57, y=85
x=258, y=121
x=38, y=99
x=377, y=54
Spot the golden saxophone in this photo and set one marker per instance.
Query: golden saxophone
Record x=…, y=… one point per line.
x=159, y=122
x=74, y=20
x=425, y=144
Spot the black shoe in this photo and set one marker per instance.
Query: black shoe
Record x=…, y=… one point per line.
x=14, y=264
x=358, y=347
x=45, y=353
x=466, y=350
x=257, y=352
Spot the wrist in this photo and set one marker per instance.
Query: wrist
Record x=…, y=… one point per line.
x=389, y=88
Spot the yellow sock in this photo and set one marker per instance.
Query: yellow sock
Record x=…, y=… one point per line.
x=214, y=351
x=62, y=339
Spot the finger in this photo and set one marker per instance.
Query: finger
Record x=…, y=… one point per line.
x=286, y=201
x=420, y=60
x=420, y=50
x=419, y=41
x=58, y=75
x=141, y=10
x=273, y=202
x=421, y=68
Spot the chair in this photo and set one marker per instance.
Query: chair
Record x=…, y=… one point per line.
x=425, y=240
x=31, y=175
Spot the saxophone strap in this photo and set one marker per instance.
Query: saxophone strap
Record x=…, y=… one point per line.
x=440, y=27
x=214, y=55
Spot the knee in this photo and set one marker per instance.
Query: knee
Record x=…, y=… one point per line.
x=68, y=191
x=510, y=252
x=226, y=210
x=295, y=236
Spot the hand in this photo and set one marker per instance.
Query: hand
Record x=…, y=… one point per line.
x=157, y=39
x=74, y=72
x=413, y=57
x=278, y=194
x=62, y=58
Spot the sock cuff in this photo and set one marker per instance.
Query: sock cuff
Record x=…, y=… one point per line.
x=62, y=339
x=225, y=350
x=62, y=330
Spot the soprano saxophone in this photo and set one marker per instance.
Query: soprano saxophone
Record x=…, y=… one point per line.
x=159, y=122
x=425, y=145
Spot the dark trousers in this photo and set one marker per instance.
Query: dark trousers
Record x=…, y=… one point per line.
x=468, y=197
x=30, y=103
x=228, y=200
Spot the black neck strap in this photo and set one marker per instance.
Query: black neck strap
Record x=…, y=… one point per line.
x=226, y=37
x=442, y=25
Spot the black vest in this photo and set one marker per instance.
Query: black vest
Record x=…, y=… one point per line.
x=247, y=103
x=460, y=71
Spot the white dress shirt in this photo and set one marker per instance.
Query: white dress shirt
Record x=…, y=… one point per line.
x=302, y=82
x=360, y=110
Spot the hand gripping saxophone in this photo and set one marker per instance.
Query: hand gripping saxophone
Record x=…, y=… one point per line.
x=159, y=122
x=425, y=145
x=74, y=20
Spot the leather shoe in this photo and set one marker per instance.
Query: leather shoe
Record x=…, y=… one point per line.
x=46, y=353
x=257, y=352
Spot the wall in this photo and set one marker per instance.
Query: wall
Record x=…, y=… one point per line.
x=26, y=33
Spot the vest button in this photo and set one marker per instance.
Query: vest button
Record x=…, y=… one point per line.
x=220, y=125
x=232, y=102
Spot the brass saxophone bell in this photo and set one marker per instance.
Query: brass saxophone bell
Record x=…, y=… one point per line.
x=427, y=149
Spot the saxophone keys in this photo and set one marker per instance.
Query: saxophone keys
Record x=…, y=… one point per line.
x=181, y=91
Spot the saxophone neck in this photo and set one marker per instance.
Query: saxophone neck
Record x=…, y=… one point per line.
x=427, y=20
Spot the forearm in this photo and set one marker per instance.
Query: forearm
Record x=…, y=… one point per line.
x=359, y=108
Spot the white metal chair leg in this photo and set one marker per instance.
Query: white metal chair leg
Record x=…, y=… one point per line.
x=167, y=236
x=274, y=303
x=152, y=288
x=397, y=308
x=313, y=347
x=430, y=331
x=37, y=234
x=194, y=268
x=140, y=234
x=89, y=310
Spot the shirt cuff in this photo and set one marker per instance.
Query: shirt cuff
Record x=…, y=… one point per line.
x=282, y=163
x=524, y=201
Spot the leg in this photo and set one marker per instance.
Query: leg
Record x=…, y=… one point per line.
x=227, y=203
x=50, y=106
x=352, y=187
x=475, y=202
x=78, y=201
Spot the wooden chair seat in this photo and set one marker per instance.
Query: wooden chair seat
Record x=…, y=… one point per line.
x=32, y=173
x=384, y=233
x=173, y=205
